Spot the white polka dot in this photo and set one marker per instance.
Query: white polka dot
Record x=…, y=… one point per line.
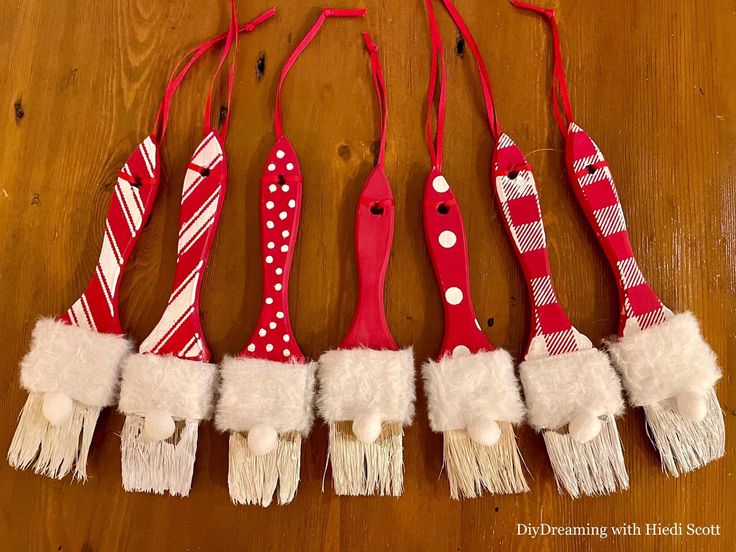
x=284, y=248
x=440, y=184
x=272, y=325
x=285, y=233
x=269, y=348
x=271, y=167
x=262, y=332
x=273, y=188
x=269, y=224
x=279, y=271
x=289, y=166
x=286, y=338
x=282, y=215
x=251, y=347
x=277, y=287
x=269, y=259
x=269, y=205
x=285, y=188
x=269, y=301
x=287, y=352
x=454, y=296
x=460, y=350
x=279, y=314
x=447, y=239
x=280, y=154
x=292, y=203
x=270, y=245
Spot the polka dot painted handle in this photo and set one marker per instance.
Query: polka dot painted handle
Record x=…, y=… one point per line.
x=444, y=233
x=591, y=178
x=130, y=206
x=281, y=198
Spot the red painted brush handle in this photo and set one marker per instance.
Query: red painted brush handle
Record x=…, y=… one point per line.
x=281, y=201
x=374, y=232
x=518, y=200
x=130, y=207
x=591, y=178
x=444, y=233
x=179, y=332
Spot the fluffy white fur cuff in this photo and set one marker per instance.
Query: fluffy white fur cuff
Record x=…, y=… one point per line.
x=78, y=362
x=665, y=361
x=361, y=382
x=463, y=390
x=561, y=387
x=181, y=388
x=263, y=392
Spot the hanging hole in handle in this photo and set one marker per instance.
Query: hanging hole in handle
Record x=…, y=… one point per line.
x=376, y=209
x=591, y=169
x=513, y=174
x=443, y=209
x=281, y=179
x=205, y=172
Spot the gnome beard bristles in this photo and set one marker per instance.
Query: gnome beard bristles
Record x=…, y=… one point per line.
x=670, y=371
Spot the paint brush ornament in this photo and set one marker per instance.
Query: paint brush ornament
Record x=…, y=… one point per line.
x=367, y=384
x=472, y=392
x=571, y=391
x=167, y=388
x=72, y=370
x=666, y=366
x=266, y=390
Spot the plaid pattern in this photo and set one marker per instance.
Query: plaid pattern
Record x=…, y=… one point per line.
x=519, y=201
x=179, y=332
x=132, y=198
x=597, y=192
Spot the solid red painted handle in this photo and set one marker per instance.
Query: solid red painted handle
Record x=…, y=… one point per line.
x=374, y=232
x=281, y=200
x=130, y=207
x=444, y=233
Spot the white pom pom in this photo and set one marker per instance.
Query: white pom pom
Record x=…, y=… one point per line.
x=484, y=431
x=262, y=439
x=584, y=427
x=367, y=428
x=57, y=408
x=692, y=406
x=159, y=425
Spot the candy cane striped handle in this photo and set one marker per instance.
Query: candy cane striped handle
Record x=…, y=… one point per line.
x=591, y=179
x=374, y=233
x=179, y=332
x=516, y=193
x=444, y=233
x=130, y=207
x=281, y=200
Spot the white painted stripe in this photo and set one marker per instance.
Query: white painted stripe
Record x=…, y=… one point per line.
x=630, y=273
x=529, y=237
x=542, y=291
x=610, y=219
x=204, y=217
x=126, y=213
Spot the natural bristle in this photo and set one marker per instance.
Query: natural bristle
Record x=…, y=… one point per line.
x=595, y=467
x=54, y=451
x=473, y=468
x=685, y=445
x=158, y=466
x=255, y=479
x=359, y=468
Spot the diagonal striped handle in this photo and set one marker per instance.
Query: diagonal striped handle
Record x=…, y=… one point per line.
x=281, y=200
x=516, y=193
x=130, y=207
x=590, y=176
x=179, y=332
x=444, y=233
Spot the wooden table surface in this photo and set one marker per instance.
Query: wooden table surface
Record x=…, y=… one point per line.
x=653, y=82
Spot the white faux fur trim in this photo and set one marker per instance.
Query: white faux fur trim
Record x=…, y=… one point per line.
x=661, y=362
x=360, y=382
x=181, y=388
x=256, y=391
x=463, y=389
x=78, y=362
x=558, y=388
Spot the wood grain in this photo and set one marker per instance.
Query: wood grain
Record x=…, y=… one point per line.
x=653, y=82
